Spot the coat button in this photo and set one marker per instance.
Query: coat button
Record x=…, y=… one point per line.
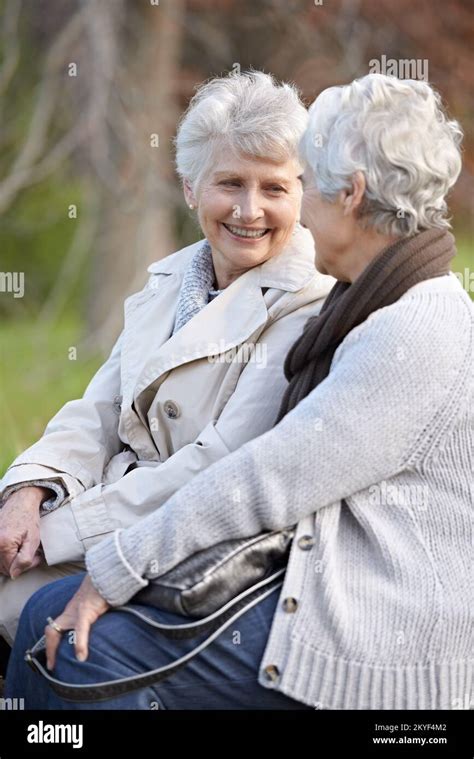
x=290, y=605
x=306, y=542
x=117, y=404
x=271, y=673
x=171, y=409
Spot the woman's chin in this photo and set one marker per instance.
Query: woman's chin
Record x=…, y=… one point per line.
x=321, y=266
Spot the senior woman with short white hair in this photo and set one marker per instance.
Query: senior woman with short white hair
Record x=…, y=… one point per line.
x=198, y=369
x=371, y=460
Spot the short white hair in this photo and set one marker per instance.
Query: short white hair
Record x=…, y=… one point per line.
x=397, y=133
x=248, y=113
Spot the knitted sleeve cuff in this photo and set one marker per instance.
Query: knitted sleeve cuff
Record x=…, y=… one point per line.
x=111, y=573
x=50, y=504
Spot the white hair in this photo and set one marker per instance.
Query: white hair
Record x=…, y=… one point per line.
x=249, y=114
x=397, y=133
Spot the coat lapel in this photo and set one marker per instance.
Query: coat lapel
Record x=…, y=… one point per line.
x=228, y=320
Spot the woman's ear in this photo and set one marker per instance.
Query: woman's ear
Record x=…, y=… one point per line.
x=354, y=197
x=188, y=194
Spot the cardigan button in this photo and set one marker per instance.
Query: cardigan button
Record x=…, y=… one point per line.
x=117, y=404
x=306, y=542
x=271, y=673
x=290, y=605
x=171, y=409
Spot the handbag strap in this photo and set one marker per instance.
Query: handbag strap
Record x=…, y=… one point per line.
x=217, y=622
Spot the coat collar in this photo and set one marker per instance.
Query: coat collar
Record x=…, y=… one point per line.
x=289, y=271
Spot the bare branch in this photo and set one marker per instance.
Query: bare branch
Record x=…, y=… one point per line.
x=10, y=43
x=33, y=147
x=72, y=262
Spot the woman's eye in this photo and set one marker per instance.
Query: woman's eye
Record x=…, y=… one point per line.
x=230, y=183
x=277, y=188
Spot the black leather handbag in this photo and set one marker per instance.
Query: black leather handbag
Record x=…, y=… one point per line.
x=213, y=587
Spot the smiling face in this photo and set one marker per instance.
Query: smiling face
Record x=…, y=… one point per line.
x=247, y=209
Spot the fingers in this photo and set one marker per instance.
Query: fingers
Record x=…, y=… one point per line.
x=6, y=566
x=82, y=611
x=83, y=626
x=26, y=558
x=53, y=638
x=81, y=619
x=37, y=560
x=8, y=557
x=90, y=606
x=8, y=552
x=19, y=532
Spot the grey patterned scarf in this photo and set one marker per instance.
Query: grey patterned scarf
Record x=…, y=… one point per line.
x=196, y=288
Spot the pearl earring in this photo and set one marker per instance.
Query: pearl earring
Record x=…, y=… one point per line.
x=191, y=206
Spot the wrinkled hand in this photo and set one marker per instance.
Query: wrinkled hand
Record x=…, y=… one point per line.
x=84, y=608
x=20, y=531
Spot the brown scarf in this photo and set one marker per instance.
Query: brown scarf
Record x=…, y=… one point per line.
x=397, y=268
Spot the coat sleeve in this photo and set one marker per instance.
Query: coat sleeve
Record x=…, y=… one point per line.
x=78, y=441
x=249, y=412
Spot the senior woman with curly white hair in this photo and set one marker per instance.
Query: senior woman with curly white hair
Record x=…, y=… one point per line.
x=198, y=369
x=371, y=460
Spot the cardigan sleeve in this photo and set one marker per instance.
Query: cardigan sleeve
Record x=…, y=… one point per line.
x=373, y=416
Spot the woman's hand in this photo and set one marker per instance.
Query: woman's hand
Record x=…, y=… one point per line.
x=84, y=608
x=20, y=531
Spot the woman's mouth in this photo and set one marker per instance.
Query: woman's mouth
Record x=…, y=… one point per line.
x=245, y=233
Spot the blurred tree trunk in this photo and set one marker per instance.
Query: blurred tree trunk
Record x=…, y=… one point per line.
x=137, y=227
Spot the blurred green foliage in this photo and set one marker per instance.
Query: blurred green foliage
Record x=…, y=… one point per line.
x=35, y=235
x=464, y=262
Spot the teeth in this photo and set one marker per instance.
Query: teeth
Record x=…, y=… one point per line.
x=245, y=232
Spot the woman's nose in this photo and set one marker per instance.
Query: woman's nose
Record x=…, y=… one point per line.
x=250, y=207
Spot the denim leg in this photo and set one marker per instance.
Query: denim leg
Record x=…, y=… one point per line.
x=223, y=676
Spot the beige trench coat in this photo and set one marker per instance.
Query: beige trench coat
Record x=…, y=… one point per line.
x=162, y=409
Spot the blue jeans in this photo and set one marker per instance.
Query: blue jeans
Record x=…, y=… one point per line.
x=223, y=676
